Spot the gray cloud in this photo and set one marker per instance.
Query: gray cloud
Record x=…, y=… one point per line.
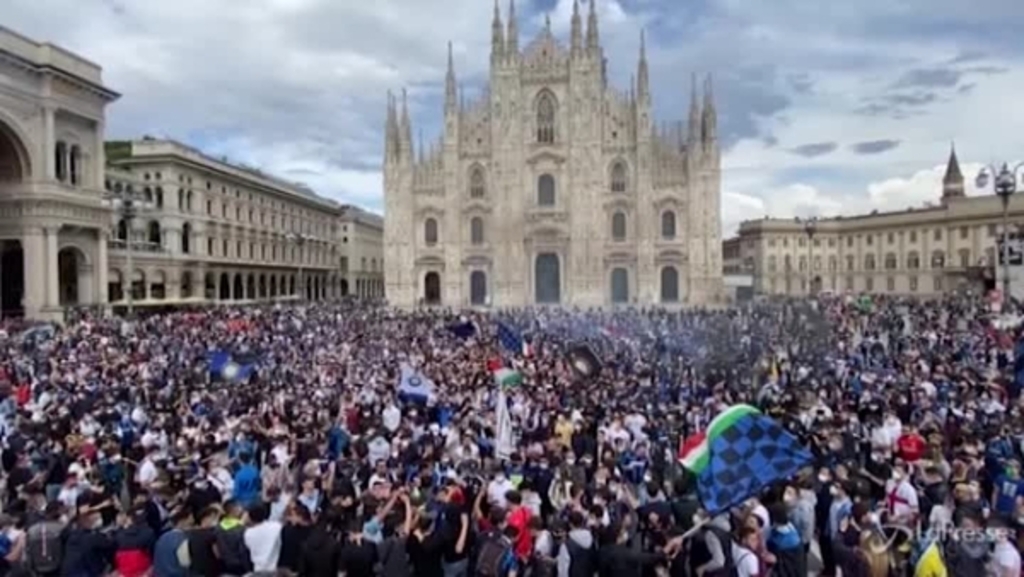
x=874, y=146
x=968, y=56
x=929, y=78
x=815, y=149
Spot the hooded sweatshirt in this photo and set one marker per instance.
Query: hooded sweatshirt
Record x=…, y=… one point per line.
x=577, y=557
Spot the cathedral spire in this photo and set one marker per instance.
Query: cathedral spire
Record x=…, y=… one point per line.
x=390, y=130
x=953, y=180
x=576, y=44
x=709, y=121
x=593, y=40
x=512, y=46
x=497, y=35
x=694, y=122
x=406, y=127
x=642, y=76
x=450, y=93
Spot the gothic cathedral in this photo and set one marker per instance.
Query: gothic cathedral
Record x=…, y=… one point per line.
x=553, y=188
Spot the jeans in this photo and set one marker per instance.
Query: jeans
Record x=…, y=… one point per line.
x=456, y=569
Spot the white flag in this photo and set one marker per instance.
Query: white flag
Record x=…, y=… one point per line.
x=503, y=447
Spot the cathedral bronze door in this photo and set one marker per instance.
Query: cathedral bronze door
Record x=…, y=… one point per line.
x=478, y=287
x=547, y=279
x=432, y=288
x=620, y=286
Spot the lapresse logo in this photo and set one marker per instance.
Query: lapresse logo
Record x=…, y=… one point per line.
x=897, y=534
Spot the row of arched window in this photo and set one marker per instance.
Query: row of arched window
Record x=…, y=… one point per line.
x=68, y=163
x=618, y=183
x=619, y=228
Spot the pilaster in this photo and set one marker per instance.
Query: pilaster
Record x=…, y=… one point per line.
x=33, y=243
x=102, y=271
x=52, y=270
x=49, y=141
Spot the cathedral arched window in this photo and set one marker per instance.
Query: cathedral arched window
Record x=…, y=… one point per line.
x=668, y=225
x=546, y=118
x=618, y=177
x=477, y=184
x=618, y=226
x=546, y=190
x=430, y=232
x=476, y=230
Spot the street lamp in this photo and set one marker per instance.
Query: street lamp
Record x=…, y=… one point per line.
x=1004, y=182
x=300, y=240
x=810, y=227
x=128, y=204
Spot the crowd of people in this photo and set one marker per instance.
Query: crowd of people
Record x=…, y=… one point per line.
x=127, y=452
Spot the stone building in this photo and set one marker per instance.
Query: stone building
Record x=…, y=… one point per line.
x=210, y=231
x=553, y=187
x=217, y=230
x=362, y=248
x=53, y=223
x=944, y=246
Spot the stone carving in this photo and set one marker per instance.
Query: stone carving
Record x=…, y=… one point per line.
x=594, y=126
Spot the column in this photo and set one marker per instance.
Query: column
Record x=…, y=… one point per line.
x=49, y=142
x=33, y=245
x=102, y=271
x=99, y=158
x=52, y=270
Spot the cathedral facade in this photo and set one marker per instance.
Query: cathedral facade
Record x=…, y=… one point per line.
x=553, y=188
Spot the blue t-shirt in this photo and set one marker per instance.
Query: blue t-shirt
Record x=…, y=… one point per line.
x=247, y=485
x=1009, y=490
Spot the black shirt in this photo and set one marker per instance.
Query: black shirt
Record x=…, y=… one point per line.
x=199, y=499
x=358, y=557
x=201, y=543
x=292, y=539
x=425, y=553
x=320, y=554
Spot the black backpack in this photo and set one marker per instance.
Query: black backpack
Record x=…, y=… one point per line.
x=725, y=540
x=234, y=555
x=44, y=547
x=490, y=558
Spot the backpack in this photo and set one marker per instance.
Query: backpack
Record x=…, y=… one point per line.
x=490, y=559
x=725, y=540
x=44, y=547
x=234, y=555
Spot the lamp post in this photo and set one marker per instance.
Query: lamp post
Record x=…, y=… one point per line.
x=1004, y=183
x=128, y=204
x=300, y=241
x=810, y=227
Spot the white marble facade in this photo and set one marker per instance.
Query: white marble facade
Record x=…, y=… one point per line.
x=553, y=187
x=53, y=224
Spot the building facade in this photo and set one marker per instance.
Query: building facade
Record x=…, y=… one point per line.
x=204, y=229
x=53, y=222
x=362, y=253
x=214, y=230
x=946, y=246
x=552, y=187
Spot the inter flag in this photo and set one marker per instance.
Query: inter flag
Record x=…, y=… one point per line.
x=584, y=362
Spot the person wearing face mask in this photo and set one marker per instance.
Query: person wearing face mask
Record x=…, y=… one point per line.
x=901, y=501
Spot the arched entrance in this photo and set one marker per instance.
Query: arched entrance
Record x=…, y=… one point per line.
x=344, y=287
x=185, y=286
x=669, y=285
x=478, y=287
x=14, y=158
x=239, y=289
x=273, y=286
x=225, y=287
x=291, y=285
x=250, y=287
x=547, y=279
x=210, y=286
x=620, y=286
x=12, y=272
x=70, y=262
x=432, y=288
x=263, y=286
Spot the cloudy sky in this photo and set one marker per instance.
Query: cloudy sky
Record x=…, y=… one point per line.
x=825, y=107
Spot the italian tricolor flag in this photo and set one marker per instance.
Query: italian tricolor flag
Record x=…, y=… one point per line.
x=507, y=378
x=694, y=451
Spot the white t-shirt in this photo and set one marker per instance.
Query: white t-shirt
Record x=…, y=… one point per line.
x=147, y=473
x=745, y=562
x=901, y=498
x=1006, y=559
x=496, y=491
x=392, y=418
x=264, y=544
